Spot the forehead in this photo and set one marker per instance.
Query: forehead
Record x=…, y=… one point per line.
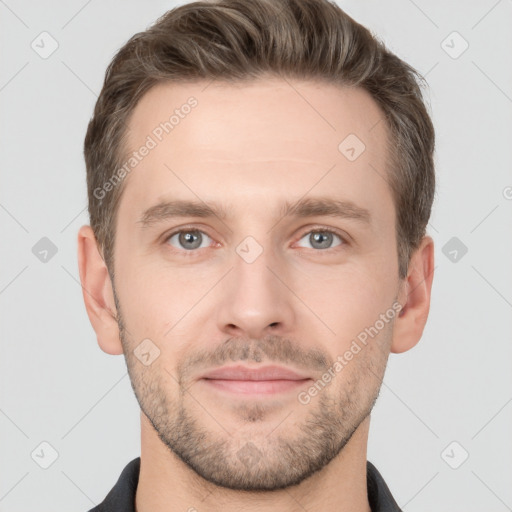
x=271, y=137
x=255, y=110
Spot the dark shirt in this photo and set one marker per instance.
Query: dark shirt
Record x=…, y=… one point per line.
x=122, y=496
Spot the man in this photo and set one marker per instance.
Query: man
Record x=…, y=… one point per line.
x=260, y=176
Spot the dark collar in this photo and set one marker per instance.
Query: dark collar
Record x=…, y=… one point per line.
x=379, y=495
x=122, y=496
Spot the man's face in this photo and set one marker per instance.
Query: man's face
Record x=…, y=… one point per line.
x=257, y=287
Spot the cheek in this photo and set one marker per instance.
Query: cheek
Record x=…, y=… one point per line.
x=162, y=303
x=347, y=300
x=146, y=303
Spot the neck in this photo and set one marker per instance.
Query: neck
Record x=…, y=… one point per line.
x=167, y=484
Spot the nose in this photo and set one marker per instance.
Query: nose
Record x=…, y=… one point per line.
x=256, y=302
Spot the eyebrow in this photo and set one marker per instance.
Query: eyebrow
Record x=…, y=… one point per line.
x=309, y=207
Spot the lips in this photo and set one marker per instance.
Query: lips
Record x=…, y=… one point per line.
x=254, y=374
x=255, y=382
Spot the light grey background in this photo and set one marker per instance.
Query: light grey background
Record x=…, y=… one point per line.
x=57, y=386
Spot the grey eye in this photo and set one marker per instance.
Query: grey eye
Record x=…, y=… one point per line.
x=321, y=239
x=189, y=239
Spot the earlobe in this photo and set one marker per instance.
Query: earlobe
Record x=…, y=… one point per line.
x=415, y=298
x=97, y=292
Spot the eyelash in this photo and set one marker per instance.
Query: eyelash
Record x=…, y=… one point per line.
x=319, y=229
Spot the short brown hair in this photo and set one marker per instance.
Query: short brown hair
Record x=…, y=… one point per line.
x=241, y=40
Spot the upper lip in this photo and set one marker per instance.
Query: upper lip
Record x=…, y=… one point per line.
x=246, y=373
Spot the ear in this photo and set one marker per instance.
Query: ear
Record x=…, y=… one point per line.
x=414, y=294
x=97, y=292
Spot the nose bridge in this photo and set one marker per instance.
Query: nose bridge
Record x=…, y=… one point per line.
x=254, y=300
x=251, y=270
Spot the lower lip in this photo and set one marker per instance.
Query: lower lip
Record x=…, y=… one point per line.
x=256, y=387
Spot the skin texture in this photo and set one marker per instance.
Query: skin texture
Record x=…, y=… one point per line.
x=299, y=304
